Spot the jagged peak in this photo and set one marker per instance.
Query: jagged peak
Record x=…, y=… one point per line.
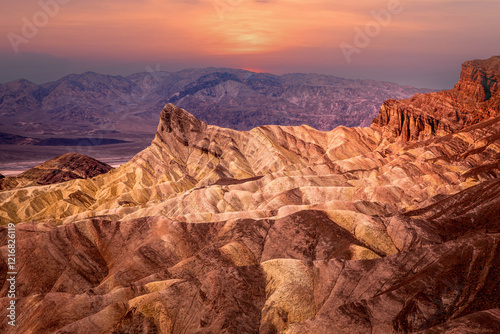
x=174, y=118
x=480, y=78
x=490, y=64
x=177, y=121
x=476, y=97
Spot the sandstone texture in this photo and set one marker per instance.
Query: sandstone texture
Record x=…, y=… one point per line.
x=273, y=230
x=475, y=98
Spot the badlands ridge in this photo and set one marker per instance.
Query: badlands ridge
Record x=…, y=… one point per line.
x=392, y=228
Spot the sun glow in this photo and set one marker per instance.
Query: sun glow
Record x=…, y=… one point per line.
x=274, y=34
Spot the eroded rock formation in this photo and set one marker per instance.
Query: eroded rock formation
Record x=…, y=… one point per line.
x=476, y=97
x=63, y=168
x=273, y=230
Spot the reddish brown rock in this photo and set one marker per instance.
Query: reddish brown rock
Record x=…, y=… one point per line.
x=480, y=79
x=274, y=230
x=292, y=275
x=63, y=168
x=476, y=97
x=66, y=167
x=483, y=322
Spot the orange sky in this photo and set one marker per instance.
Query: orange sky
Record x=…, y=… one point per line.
x=269, y=35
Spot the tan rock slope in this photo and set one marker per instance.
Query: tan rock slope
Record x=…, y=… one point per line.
x=273, y=230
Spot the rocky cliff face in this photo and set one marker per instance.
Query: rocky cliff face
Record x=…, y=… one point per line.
x=272, y=230
x=480, y=79
x=476, y=97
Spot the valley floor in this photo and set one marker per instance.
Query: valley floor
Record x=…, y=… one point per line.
x=15, y=159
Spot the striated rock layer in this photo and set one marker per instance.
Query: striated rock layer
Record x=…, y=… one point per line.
x=476, y=97
x=63, y=168
x=273, y=230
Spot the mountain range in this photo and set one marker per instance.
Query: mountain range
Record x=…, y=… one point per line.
x=238, y=99
x=392, y=228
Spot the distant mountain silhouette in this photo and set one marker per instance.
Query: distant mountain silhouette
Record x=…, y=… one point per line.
x=10, y=139
x=232, y=98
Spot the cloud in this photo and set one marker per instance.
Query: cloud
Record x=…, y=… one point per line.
x=154, y=31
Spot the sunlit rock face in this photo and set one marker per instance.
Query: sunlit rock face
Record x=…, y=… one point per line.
x=272, y=230
x=476, y=97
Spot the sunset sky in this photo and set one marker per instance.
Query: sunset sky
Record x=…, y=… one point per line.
x=421, y=42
